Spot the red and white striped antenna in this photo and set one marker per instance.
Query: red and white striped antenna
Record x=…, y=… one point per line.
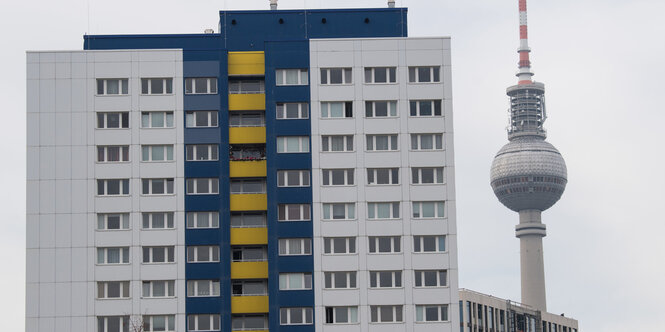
x=524, y=74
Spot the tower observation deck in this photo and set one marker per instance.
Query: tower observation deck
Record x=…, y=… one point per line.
x=528, y=174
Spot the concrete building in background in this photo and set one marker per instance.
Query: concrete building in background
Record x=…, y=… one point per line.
x=293, y=172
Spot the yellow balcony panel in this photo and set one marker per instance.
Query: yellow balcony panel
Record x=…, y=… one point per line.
x=249, y=270
x=247, y=102
x=247, y=135
x=249, y=304
x=255, y=235
x=246, y=63
x=249, y=202
x=247, y=168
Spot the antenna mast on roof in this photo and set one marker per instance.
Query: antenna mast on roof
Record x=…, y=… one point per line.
x=273, y=4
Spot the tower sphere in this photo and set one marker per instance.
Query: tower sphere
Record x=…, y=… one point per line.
x=528, y=173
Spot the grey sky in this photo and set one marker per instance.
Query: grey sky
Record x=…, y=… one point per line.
x=601, y=62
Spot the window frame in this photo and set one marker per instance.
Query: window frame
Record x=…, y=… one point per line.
x=167, y=115
x=124, y=222
x=420, y=279
x=419, y=244
x=147, y=82
x=148, y=323
x=123, y=187
x=123, y=87
x=442, y=313
x=328, y=175
x=373, y=209
x=306, y=314
x=193, y=286
x=434, y=72
x=282, y=72
x=327, y=143
x=124, y=289
x=327, y=111
x=282, y=109
x=350, y=212
x=192, y=183
x=350, y=245
x=242, y=214
x=437, y=138
x=326, y=77
x=285, y=243
x=417, y=208
x=331, y=313
x=305, y=211
x=397, y=314
x=123, y=323
x=304, y=178
x=169, y=254
x=169, y=289
x=169, y=186
x=436, y=106
x=244, y=183
x=373, y=138
x=213, y=319
x=192, y=219
x=391, y=109
x=192, y=152
x=238, y=84
x=285, y=281
x=396, y=279
x=390, y=71
x=211, y=89
x=103, y=151
x=330, y=279
x=212, y=117
x=193, y=253
x=147, y=150
x=417, y=173
x=283, y=144
x=246, y=116
x=168, y=220
x=123, y=256
x=102, y=120
x=374, y=243
x=393, y=176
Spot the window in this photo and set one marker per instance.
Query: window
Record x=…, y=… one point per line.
x=337, y=143
x=382, y=176
x=381, y=142
x=247, y=152
x=429, y=243
x=383, y=210
x=431, y=278
x=249, y=254
x=203, y=186
x=202, y=288
x=339, y=211
x=425, y=108
x=385, y=279
x=337, y=177
x=337, y=109
x=248, y=219
x=113, y=289
x=296, y=178
x=292, y=144
x=426, y=141
x=249, y=322
x=380, y=75
x=112, y=153
x=291, y=247
x=201, y=152
x=157, y=120
x=203, y=322
x=157, y=152
x=113, y=323
x=201, y=119
x=292, y=111
x=291, y=77
x=384, y=244
x=248, y=186
x=424, y=74
x=341, y=315
x=336, y=76
x=426, y=175
x=423, y=210
x=246, y=87
x=158, y=254
x=202, y=254
x=432, y=313
x=247, y=119
x=249, y=287
x=158, y=220
x=340, y=280
x=158, y=288
x=295, y=281
x=293, y=212
x=156, y=86
x=339, y=245
x=295, y=316
x=113, y=187
x=162, y=323
x=112, y=120
x=157, y=186
x=203, y=219
x=201, y=85
x=380, y=109
x=112, y=86
x=386, y=313
x=112, y=221
x=113, y=255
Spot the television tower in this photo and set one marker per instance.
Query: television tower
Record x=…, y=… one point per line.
x=528, y=174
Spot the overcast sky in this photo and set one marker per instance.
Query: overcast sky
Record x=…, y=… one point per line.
x=603, y=66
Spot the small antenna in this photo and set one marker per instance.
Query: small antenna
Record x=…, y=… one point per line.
x=524, y=74
x=273, y=4
x=391, y=3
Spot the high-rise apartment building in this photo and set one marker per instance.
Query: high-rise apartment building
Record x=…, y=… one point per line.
x=293, y=172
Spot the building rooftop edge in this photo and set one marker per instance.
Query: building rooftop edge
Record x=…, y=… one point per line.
x=331, y=10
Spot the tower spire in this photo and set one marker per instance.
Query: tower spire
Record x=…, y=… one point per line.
x=524, y=74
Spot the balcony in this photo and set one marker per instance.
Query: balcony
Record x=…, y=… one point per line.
x=246, y=63
x=249, y=270
x=249, y=202
x=240, y=236
x=247, y=168
x=247, y=135
x=247, y=102
x=249, y=304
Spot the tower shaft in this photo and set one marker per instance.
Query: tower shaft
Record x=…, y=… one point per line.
x=531, y=231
